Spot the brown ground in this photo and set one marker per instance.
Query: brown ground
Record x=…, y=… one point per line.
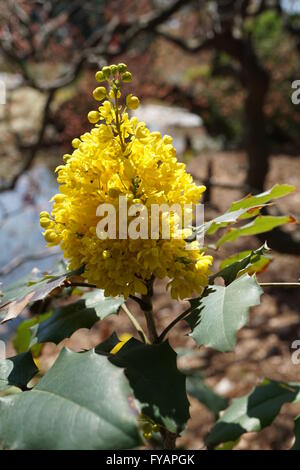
x=263, y=348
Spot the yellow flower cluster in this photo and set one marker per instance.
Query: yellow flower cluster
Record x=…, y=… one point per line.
x=121, y=157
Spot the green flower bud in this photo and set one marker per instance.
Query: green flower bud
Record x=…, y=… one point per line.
x=122, y=68
x=114, y=69
x=100, y=77
x=106, y=71
x=127, y=77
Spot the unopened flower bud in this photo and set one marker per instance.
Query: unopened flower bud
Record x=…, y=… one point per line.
x=122, y=68
x=93, y=117
x=132, y=102
x=99, y=93
x=76, y=143
x=100, y=77
x=114, y=69
x=66, y=157
x=106, y=71
x=44, y=214
x=50, y=236
x=45, y=222
x=127, y=77
x=112, y=94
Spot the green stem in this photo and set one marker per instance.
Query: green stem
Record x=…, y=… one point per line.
x=172, y=324
x=136, y=324
x=279, y=284
x=118, y=124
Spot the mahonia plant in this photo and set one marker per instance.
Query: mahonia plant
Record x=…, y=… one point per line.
x=128, y=392
x=121, y=157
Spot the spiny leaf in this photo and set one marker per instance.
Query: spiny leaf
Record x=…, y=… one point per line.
x=278, y=191
x=83, y=402
x=17, y=297
x=259, y=225
x=197, y=388
x=220, y=312
x=156, y=382
x=17, y=371
x=245, y=262
x=247, y=207
x=84, y=313
x=253, y=412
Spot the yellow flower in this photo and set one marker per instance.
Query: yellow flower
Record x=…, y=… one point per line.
x=120, y=157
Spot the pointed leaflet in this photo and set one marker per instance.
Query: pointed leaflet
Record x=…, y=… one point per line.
x=248, y=261
x=197, y=388
x=262, y=224
x=157, y=384
x=246, y=207
x=220, y=312
x=83, y=402
x=278, y=191
x=17, y=371
x=31, y=289
x=253, y=412
x=84, y=313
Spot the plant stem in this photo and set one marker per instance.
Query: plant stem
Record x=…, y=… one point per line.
x=148, y=311
x=279, y=284
x=172, y=324
x=118, y=124
x=136, y=324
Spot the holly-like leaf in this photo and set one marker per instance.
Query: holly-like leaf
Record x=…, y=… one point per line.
x=84, y=313
x=83, y=402
x=250, y=201
x=245, y=208
x=249, y=262
x=253, y=412
x=296, y=445
x=17, y=371
x=197, y=388
x=156, y=382
x=29, y=290
x=221, y=311
x=260, y=224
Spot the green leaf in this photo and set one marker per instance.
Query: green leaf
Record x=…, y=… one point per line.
x=31, y=289
x=296, y=445
x=17, y=371
x=84, y=313
x=197, y=388
x=245, y=262
x=248, y=202
x=157, y=384
x=221, y=311
x=24, y=333
x=83, y=402
x=253, y=412
x=247, y=207
x=259, y=225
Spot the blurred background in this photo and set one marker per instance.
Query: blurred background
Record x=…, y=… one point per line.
x=221, y=78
